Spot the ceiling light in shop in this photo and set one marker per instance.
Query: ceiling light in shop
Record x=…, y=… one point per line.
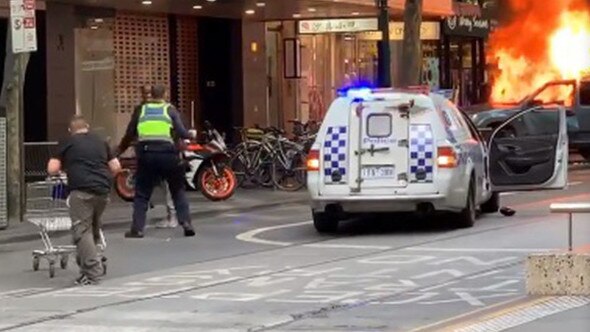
x=356, y=13
x=146, y=2
x=98, y=20
x=197, y=7
x=311, y=10
x=296, y=15
x=260, y=4
x=250, y=12
x=211, y=0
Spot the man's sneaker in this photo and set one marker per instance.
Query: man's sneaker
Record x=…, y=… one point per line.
x=188, y=230
x=83, y=280
x=169, y=222
x=134, y=235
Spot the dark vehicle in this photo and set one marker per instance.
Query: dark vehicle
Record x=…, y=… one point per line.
x=487, y=117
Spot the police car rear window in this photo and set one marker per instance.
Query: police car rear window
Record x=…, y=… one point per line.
x=379, y=125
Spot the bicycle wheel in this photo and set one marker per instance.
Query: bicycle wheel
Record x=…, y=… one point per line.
x=289, y=172
x=245, y=164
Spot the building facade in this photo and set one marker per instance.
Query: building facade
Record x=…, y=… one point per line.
x=234, y=63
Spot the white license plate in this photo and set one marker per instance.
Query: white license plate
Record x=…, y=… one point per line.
x=378, y=172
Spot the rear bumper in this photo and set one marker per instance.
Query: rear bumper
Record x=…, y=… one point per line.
x=375, y=204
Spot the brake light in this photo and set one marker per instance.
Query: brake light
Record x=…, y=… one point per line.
x=313, y=161
x=447, y=158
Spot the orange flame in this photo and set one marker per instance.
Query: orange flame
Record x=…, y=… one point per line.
x=546, y=41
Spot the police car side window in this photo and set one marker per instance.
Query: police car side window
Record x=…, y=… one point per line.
x=454, y=123
x=379, y=125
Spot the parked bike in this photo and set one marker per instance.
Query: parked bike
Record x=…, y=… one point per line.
x=206, y=169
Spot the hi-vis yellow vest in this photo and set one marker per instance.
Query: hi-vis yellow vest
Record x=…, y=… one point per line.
x=154, y=123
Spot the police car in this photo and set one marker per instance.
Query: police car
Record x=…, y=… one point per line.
x=404, y=150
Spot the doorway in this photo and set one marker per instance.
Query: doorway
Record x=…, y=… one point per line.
x=220, y=73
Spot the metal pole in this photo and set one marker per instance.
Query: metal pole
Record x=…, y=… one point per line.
x=570, y=231
x=384, y=53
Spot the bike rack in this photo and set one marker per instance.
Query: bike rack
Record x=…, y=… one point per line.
x=570, y=209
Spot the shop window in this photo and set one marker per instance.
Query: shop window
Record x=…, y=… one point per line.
x=379, y=125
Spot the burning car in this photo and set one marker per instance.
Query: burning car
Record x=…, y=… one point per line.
x=576, y=102
x=541, y=53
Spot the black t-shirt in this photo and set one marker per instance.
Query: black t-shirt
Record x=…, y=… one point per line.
x=85, y=158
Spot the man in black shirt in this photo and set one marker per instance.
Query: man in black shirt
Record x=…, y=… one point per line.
x=90, y=165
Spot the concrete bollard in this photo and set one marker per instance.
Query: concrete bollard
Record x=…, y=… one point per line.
x=560, y=273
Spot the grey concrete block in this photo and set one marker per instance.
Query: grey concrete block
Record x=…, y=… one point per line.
x=558, y=274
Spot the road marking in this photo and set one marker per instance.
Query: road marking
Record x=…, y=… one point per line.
x=493, y=250
x=345, y=246
x=250, y=236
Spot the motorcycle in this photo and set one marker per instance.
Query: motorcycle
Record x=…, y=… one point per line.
x=206, y=169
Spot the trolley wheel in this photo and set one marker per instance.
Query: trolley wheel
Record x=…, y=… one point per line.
x=36, y=261
x=63, y=262
x=51, y=269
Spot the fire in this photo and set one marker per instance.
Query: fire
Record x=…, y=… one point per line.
x=545, y=41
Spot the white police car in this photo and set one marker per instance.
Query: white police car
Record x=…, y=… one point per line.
x=388, y=150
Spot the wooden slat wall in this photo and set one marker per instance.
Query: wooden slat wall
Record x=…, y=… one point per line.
x=141, y=56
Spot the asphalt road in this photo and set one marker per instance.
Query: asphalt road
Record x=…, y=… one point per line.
x=269, y=270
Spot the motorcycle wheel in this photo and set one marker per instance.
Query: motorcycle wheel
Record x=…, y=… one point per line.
x=217, y=188
x=125, y=185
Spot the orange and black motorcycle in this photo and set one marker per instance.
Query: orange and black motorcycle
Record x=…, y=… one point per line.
x=207, y=169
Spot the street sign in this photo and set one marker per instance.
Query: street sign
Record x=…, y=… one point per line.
x=23, y=26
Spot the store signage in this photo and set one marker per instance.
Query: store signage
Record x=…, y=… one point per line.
x=23, y=26
x=428, y=31
x=337, y=25
x=469, y=26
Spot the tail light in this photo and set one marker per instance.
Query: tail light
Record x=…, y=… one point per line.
x=313, y=161
x=447, y=158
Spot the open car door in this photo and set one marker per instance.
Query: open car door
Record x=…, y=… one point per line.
x=529, y=151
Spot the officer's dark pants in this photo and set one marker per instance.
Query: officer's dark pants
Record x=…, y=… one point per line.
x=156, y=162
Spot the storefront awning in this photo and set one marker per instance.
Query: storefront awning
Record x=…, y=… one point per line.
x=430, y=7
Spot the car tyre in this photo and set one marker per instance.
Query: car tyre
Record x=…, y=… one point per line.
x=492, y=205
x=467, y=217
x=325, y=222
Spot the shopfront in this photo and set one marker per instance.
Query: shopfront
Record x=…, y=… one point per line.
x=329, y=54
x=464, y=59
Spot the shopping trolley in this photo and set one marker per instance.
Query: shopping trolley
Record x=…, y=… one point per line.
x=47, y=208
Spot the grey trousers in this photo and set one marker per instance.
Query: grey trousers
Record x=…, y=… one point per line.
x=86, y=210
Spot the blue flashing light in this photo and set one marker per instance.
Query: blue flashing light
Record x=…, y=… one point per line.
x=359, y=91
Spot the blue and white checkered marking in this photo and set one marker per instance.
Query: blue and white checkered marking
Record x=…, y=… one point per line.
x=421, y=152
x=336, y=153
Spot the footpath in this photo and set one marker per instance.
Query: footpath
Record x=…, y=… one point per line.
x=118, y=213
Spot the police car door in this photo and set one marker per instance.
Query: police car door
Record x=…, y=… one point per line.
x=378, y=147
x=530, y=151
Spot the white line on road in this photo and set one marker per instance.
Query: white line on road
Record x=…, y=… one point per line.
x=526, y=250
x=345, y=246
x=250, y=236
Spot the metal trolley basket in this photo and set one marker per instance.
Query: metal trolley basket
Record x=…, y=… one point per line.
x=47, y=208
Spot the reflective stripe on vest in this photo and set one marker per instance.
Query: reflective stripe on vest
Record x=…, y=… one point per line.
x=154, y=123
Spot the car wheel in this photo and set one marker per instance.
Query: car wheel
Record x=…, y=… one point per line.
x=467, y=217
x=492, y=205
x=325, y=222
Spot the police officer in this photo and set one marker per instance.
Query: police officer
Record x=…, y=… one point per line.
x=155, y=127
x=170, y=221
